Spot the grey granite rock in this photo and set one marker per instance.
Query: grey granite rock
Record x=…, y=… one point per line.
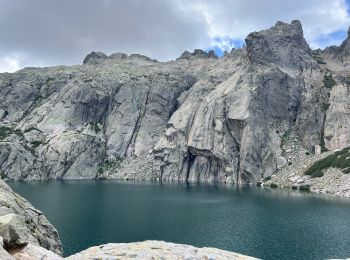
x=22, y=224
x=199, y=118
x=155, y=250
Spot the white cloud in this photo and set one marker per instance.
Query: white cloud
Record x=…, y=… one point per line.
x=235, y=19
x=9, y=64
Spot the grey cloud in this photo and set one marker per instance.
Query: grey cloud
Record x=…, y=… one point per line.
x=51, y=32
x=64, y=31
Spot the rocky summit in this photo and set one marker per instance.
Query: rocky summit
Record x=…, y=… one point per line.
x=239, y=118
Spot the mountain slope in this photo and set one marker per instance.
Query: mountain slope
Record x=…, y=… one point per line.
x=198, y=118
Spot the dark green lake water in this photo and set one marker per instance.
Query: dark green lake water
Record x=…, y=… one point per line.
x=265, y=223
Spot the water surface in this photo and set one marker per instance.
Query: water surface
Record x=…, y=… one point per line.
x=265, y=223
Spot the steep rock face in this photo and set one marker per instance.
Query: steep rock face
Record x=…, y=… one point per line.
x=22, y=224
x=336, y=127
x=232, y=132
x=198, y=118
x=68, y=122
x=339, y=53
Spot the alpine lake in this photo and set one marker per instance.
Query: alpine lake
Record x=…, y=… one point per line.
x=260, y=222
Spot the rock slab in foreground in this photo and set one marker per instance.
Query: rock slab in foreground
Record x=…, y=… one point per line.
x=155, y=250
x=21, y=224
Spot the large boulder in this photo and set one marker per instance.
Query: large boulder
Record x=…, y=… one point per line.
x=22, y=224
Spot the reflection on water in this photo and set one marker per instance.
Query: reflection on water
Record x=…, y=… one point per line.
x=262, y=222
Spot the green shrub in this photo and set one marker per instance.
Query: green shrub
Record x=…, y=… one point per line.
x=95, y=126
x=36, y=144
x=31, y=129
x=339, y=159
x=7, y=131
x=267, y=178
x=317, y=174
x=304, y=187
x=273, y=185
x=328, y=81
x=294, y=187
x=346, y=170
x=2, y=175
x=319, y=60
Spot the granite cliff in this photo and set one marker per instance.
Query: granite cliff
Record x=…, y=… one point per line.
x=199, y=118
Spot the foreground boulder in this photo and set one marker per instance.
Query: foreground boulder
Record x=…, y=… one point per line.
x=22, y=224
x=155, y=250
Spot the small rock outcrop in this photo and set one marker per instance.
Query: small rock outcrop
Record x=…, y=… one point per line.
x=94, y=58
x=198, y=54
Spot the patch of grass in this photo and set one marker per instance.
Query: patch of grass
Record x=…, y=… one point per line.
x=328, y=81
x=339, y=159
x=304, y=188
x=267, y=178
x=273, y=185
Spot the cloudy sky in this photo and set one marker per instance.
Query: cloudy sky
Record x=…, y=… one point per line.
x=52, y=32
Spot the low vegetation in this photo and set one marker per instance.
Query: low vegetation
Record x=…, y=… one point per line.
x=273, y=185
x=319, y=60
x=7, y=131
x=32, y=129
x=339, y=159
x=304, y=188
x=328, y=81
x=36, y=144
x=110, y=164
x=2, y=175
x=96, y=126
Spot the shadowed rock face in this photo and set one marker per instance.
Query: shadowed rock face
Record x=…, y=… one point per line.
x=199, y=118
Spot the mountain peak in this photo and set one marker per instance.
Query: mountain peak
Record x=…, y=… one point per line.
x=282, y=44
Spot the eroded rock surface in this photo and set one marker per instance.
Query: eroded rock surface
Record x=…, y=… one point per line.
x=198, y=118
